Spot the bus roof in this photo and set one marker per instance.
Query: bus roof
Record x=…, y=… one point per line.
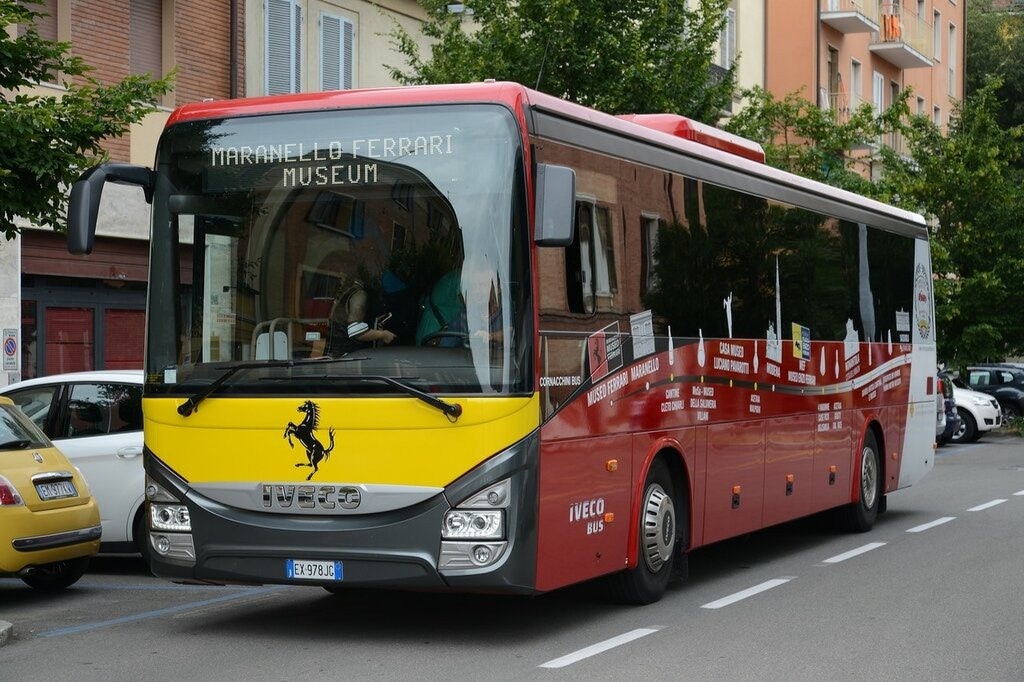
x=665, y=130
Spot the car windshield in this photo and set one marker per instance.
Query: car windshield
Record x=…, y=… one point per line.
x=337, y=245
x=17, y=432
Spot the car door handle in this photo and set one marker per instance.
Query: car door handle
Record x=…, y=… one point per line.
x=129, y=452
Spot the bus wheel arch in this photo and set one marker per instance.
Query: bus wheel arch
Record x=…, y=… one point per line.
x=662, y=534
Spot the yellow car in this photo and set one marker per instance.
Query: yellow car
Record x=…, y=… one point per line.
x=49, y=522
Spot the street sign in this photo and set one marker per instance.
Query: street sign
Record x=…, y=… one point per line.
x=10, y=349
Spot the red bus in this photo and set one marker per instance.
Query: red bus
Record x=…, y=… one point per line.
x=473, y=337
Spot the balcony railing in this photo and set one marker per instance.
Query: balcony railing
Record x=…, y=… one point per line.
x=903, y=39
x=842, y=105
x=850, y=16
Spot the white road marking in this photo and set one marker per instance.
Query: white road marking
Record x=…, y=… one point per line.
x=600, y=647
x=931, y=524
x=854, y=552
x=749, y=592
x=986, y=505
x=1019, y=492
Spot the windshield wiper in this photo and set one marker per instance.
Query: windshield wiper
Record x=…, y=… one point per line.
x=16, y=444
x=190, y=405
x=451, y=410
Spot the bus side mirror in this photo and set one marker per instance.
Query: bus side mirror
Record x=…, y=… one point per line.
x=84, y=204
x=556, y=202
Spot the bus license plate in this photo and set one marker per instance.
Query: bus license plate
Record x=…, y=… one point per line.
x=298, y=569
x=56, y=490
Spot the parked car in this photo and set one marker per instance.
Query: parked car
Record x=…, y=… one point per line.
x=979, y=412
x=940, y=415
x=95, y=418
x=952, y=421
x=1004, y=382
x=49, y=522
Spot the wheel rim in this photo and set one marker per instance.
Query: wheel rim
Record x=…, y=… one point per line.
x=659, y=528
x=961, y=429
x=868, y=477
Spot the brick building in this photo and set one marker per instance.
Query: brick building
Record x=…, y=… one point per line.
x=68, y=313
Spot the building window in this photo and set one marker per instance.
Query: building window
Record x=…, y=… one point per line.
x=283, y=49
x=937, y=36
x=146, y=37
x=590, y=261
x=727, y=40
x=649, y=226
x=952, y=61
x=856, y=85
x=937, y=116
x=921, y=111
x=336, y=39
x=878, y=92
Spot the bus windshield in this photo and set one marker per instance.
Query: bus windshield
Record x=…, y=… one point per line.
x=321, y=248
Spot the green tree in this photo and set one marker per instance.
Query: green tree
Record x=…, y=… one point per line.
x=969, y=182
x=47, y=141
x=802, y=138
x=641, y=56
x=994, y=43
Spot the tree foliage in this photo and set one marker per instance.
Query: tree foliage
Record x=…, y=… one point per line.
x=46, y=141
x=805, y=139
x=641, y=56
x=965, y=181
x=969, y=182
x=994, y=44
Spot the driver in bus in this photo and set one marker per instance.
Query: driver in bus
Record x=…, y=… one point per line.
x=349, y=328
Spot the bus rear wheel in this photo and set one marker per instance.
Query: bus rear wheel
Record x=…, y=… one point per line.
x=859, y=516
x=646, y=583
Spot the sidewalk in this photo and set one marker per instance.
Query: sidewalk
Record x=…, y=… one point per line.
x=5, y=631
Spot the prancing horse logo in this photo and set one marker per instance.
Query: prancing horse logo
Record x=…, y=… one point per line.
x=303, y=431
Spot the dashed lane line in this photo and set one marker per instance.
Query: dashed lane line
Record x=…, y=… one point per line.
x=600, y=647
x=931, y=524
x=986, y=505
x=749, y=592
x=853, y=552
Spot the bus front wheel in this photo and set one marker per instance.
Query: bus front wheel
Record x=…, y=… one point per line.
x=859, y=516
x=646, y=583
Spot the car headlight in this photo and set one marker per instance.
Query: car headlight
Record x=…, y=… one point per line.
x=979, y=401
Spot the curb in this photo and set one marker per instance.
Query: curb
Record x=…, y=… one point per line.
x=5, y=631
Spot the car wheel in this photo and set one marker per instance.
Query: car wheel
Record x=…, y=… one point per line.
x=859, y=516
x=968, y=429
x=659, y=532
x=58, y=575
x=1010, y=412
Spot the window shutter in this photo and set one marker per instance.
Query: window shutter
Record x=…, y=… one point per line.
x=336, y=37
x=283, y=47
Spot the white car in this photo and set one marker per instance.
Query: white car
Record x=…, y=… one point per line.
x=979, y=412
x=95, y=419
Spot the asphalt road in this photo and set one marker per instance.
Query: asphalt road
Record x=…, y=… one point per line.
x=932, y=593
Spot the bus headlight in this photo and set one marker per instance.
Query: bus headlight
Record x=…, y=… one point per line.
x=476, y=524
x=169, y=517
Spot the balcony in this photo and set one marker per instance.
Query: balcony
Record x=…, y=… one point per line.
x=841, y=105
x=903, y=39
x=850, y=16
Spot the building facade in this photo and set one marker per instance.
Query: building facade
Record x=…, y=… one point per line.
x=64, y=313
x=844, y=53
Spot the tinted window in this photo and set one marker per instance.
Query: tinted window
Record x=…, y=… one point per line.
x=99, y=409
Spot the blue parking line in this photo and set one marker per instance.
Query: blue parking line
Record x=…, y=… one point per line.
x=158, y=612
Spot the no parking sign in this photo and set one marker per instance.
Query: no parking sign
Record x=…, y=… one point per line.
x=10, y=349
